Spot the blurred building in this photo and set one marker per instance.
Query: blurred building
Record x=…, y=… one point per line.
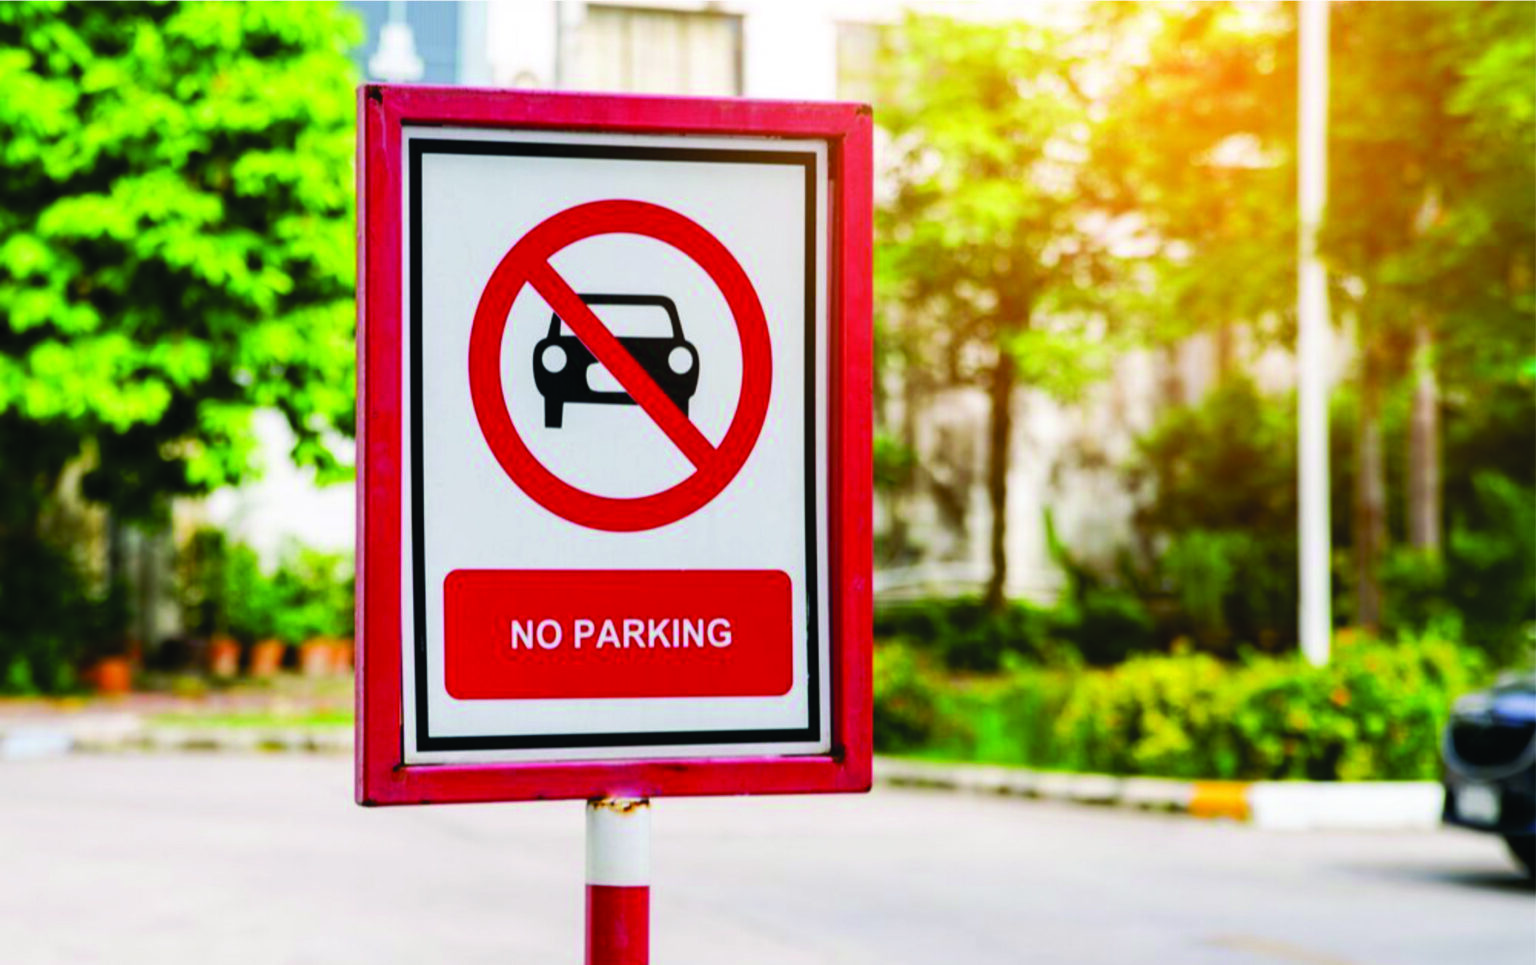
x=789, y=51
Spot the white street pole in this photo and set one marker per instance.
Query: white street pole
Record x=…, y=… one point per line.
x=1312, y=339
x=396, y=60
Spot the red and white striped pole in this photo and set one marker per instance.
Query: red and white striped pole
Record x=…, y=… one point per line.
x=619, y=881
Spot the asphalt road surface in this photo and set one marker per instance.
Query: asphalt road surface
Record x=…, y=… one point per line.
x=228, y=859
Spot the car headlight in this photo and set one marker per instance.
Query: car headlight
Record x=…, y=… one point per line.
x=680, y=360
x=552, y=358
x=1472, y=705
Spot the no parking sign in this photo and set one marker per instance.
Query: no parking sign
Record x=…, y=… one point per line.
x=614, y=427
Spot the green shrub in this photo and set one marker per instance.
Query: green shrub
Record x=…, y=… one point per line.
x=906, y=700
x=1104, y=624
x=248, y=597
x=963, y=634
x=1103, y=621
x=1015, y=720
x=51, y=621
x=1214, y=554
x=1483, y=587
x=1153, y=715
x=312, y=595
x=55, y=615
x=1215, y=522
x=1375, y=712
x=223, y=588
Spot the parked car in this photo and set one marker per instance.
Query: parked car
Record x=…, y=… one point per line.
x=1489, y=772
x=565, y=372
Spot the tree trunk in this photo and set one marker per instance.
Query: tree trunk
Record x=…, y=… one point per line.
x=1170, y=382
x=1001, y=432
x=1226, y=354
x=1424, y=486
x=117, y=567
x=900, y=498
x=1369, y=522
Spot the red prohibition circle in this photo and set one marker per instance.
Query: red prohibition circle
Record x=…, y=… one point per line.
x=528, y=263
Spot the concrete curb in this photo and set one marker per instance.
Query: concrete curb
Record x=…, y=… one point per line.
x=1269, y=805
x=1364, y=805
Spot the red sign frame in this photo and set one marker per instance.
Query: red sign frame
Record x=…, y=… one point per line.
x=382, y=777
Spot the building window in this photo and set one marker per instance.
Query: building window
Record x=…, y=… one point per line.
x=637, y=50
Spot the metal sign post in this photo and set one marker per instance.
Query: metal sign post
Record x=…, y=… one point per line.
x=618, y=881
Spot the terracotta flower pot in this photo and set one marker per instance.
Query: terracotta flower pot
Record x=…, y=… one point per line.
x=266, y=658
x=317, y=657
x=223, y=656
x=111, y=676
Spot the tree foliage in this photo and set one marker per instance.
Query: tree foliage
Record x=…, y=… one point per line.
x=175, y=253
x=1432, y=195
x=1199, y=145
x=984, y=238
x=175, y=204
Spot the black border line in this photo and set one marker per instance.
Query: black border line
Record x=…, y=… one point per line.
x=424, y=741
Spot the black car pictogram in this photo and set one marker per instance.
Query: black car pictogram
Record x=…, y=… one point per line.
x=565, y=372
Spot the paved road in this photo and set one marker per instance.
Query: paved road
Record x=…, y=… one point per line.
x=170, y=859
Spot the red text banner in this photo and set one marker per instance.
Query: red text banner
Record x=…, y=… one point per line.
x=618, y=633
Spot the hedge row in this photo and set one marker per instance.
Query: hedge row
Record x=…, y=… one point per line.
x=1374, y=713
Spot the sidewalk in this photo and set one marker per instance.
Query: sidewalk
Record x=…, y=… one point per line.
x=106, y=732
x=276, y=715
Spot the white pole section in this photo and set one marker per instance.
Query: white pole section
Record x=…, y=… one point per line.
x=618, y=882
x=1312, y=338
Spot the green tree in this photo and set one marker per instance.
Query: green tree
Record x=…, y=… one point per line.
x=175, y=245
x=1432, y=219
x=989, y=269
x=1429, y=230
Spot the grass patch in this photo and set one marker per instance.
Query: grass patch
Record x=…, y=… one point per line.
x=262, y=719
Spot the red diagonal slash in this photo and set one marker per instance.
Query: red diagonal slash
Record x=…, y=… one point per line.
x=629, y=373
x=530, y=259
